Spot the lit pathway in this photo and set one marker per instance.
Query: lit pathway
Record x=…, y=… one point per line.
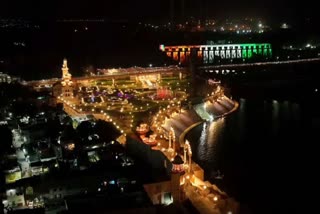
x=204, y=196
x=207, y=198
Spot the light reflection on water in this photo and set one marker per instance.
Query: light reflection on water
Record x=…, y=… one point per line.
x=264, y=145
x=203, y=136
x=202, y=146
x=211, y=132
x=275, y=116
x=269, y=117
x=245, y=144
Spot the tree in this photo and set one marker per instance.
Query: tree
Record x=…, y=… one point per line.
x=106, y=131
x=9, y=92
x=54, y=127
x=68, y=133
x=6, y=141
x=67, y=121
x=84, y=130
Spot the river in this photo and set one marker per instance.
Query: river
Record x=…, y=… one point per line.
x=266, y=149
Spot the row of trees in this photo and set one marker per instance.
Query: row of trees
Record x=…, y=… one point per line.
x=89, y=132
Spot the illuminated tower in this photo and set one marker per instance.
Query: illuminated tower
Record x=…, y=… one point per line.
x=176, y=179
x=67, y=84
x=65, y=70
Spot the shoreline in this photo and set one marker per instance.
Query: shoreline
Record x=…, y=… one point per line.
x=185, y=132
x=262, y=63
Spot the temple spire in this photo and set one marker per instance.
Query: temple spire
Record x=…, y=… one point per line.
x=66, y=82
x=65, y=63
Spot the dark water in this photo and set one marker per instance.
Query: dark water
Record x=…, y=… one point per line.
x=267, y=148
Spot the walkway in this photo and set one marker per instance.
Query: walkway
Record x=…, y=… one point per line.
x=205, y=197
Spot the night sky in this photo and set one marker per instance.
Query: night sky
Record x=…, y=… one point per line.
x=158, y=9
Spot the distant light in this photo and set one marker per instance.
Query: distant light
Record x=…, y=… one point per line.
x=150, y=65
x=215, y=198
x=284, y=26
x=161, y=47
x=316, y=90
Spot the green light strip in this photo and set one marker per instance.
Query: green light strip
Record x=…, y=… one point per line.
x=248, y=50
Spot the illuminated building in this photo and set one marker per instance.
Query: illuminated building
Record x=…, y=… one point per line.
x=7, y=78
x=176, y=178
x=207, y=54
x=170, y=191
x=67, y=84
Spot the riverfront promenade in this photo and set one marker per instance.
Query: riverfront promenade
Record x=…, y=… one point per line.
x=205, y=197
x=168, y=126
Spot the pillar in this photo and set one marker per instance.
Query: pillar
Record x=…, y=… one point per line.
x=175, y=187
x=189, y=168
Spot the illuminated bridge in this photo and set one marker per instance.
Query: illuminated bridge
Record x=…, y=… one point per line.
x=208, y=54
